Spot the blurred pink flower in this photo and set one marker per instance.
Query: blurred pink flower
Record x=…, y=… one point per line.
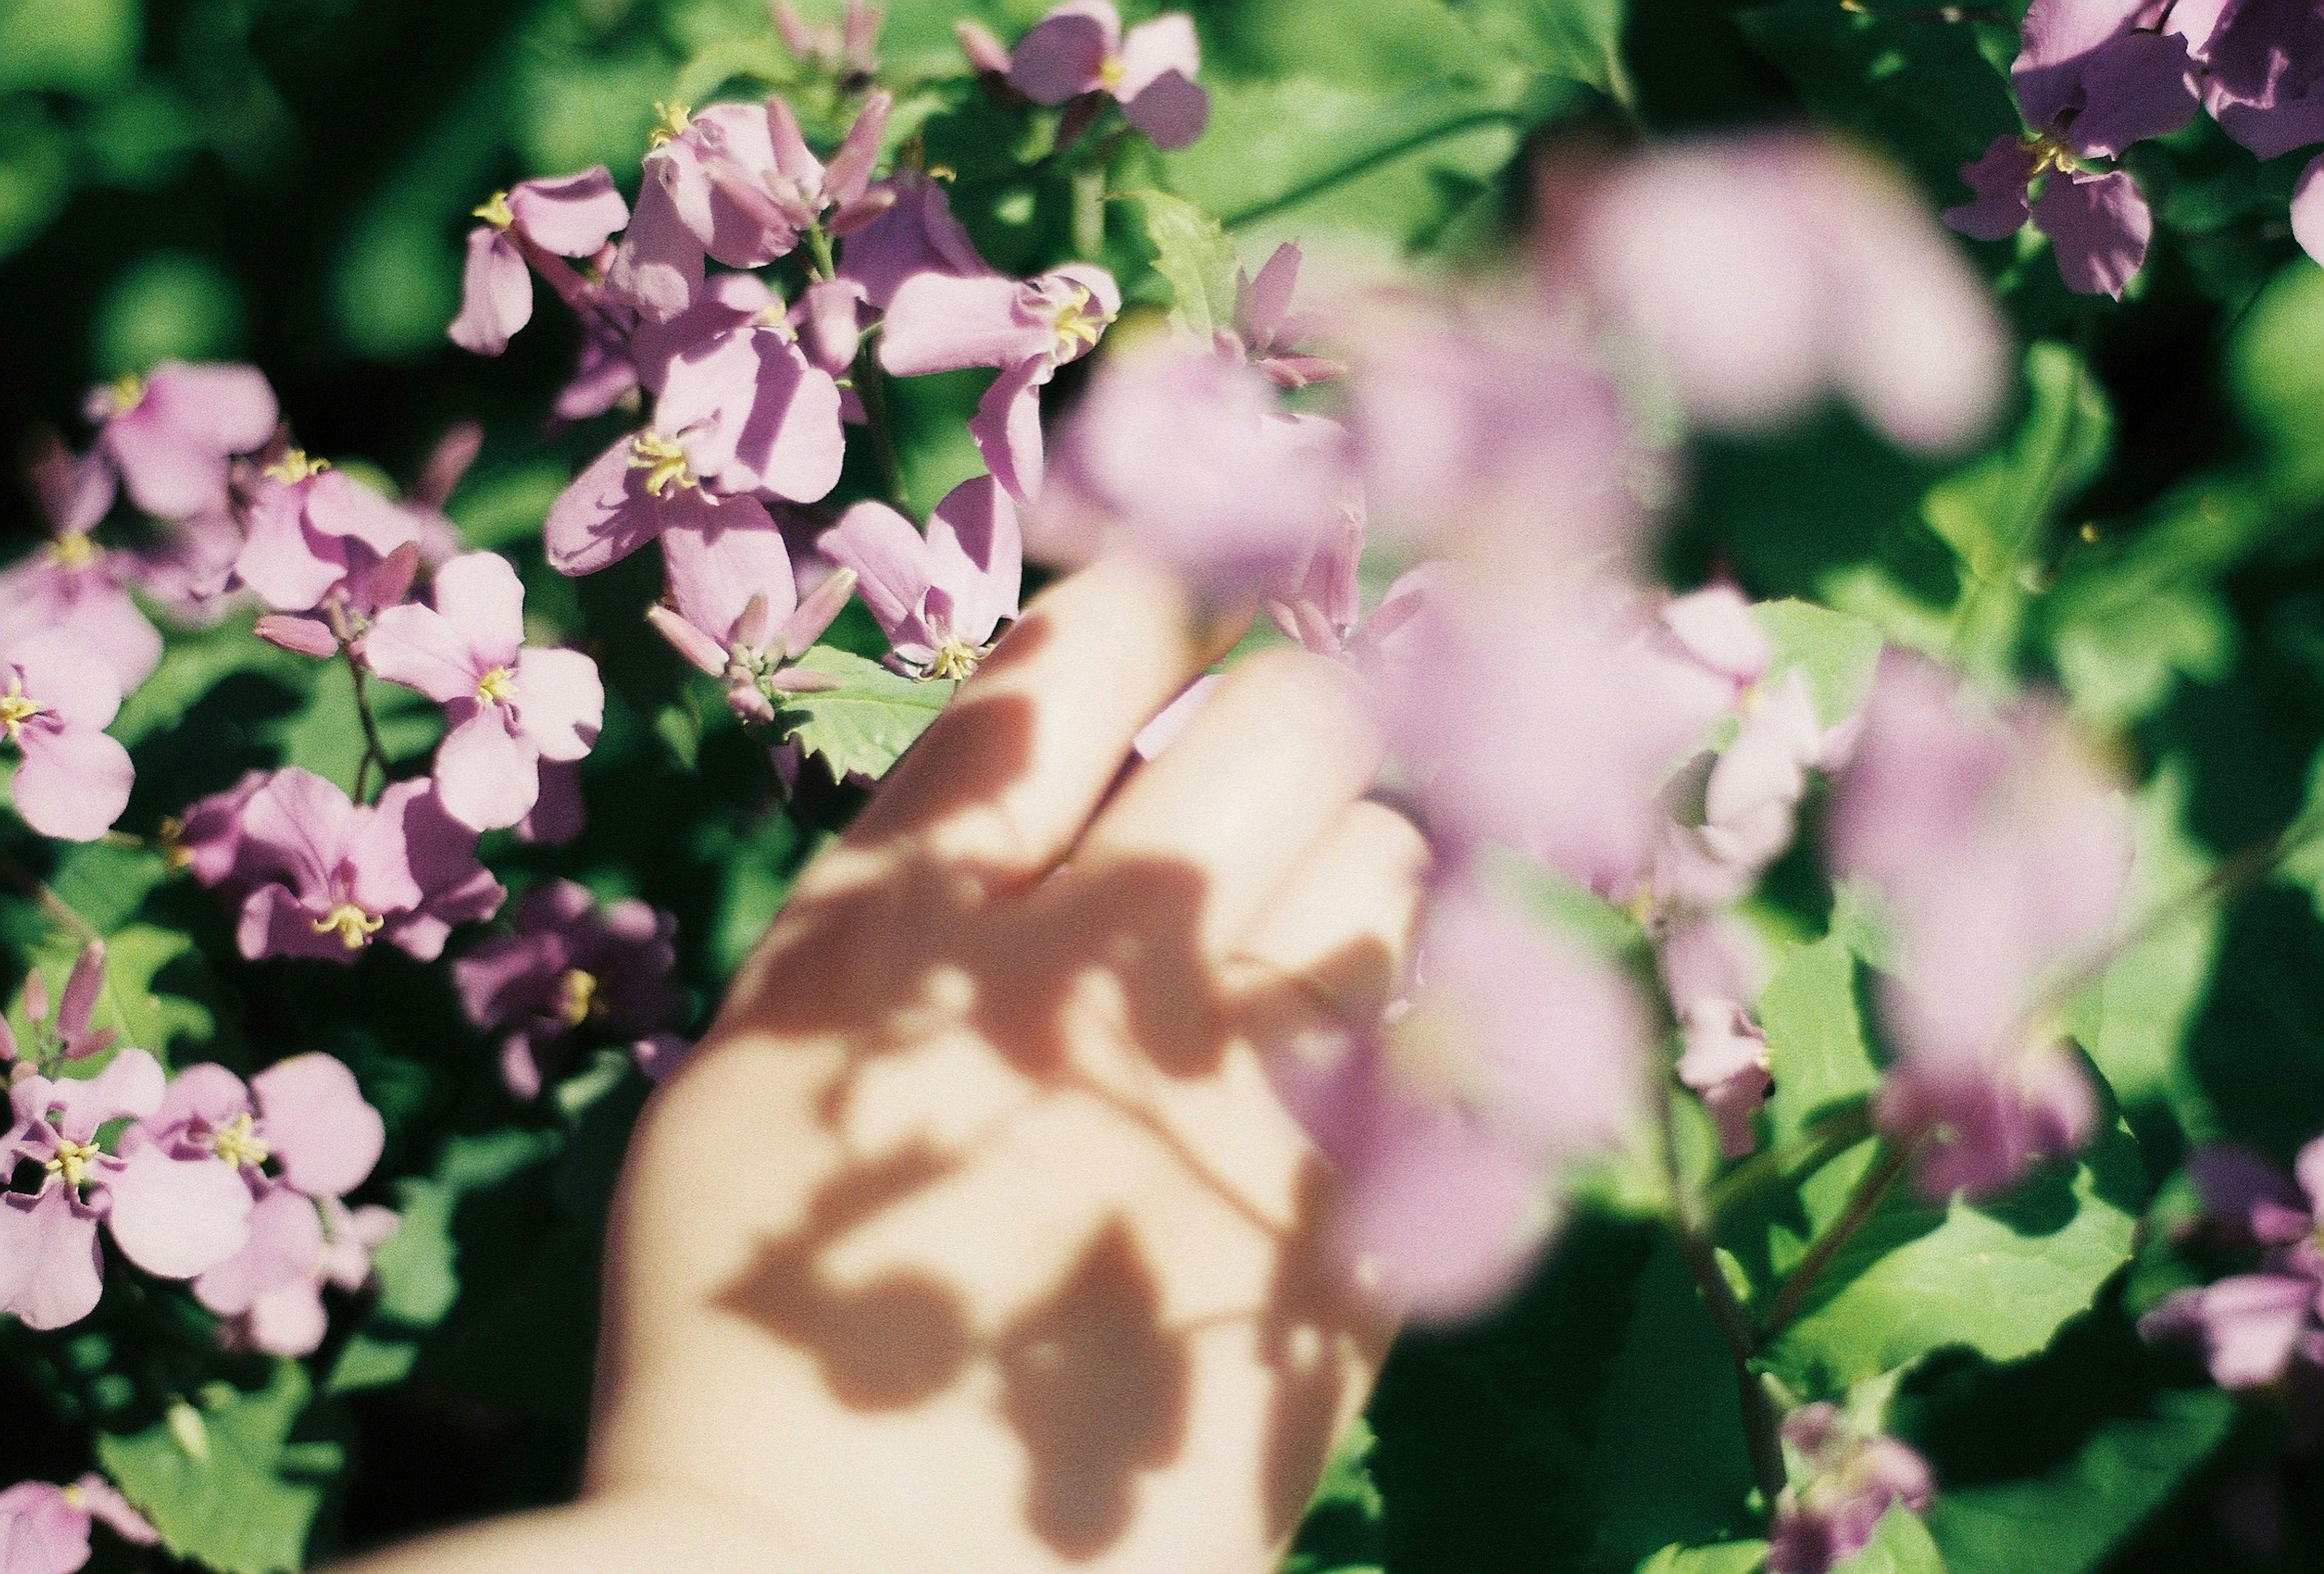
x=570, y=968
x=271, y=1292
x=1843, y=1482
x=1080, y=47
x=72, y=584
x=939, y=598
x=325, y=878
x=172, y=432
x=57, y=695
x=2254, y=1327
x=1266, y=333
x=44, y=1529
x=564, y=215
x=509, y=706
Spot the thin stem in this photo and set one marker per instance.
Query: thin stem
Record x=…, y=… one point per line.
x=1089, y=209
x=374, y=751
x=872, y=392
x=2038, y=505
x=818, y=246
x=1811, y=1149
x=1878, y=1181
x=1366, y=163
x=54, y=907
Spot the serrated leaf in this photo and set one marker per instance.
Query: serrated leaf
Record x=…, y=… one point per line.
x=865, y=725
x=1730, y=1558
x=1581, y=40
x=1901, y=1545
x=1834, y=654
x=2069, y=1519
x=1342, y=1531
x=244, y=1500
x=1195, y=259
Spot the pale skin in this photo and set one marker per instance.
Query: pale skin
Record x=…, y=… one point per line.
x=975, y=1237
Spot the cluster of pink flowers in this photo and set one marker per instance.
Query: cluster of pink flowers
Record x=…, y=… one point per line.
x=2255, y=1328
x=1843, y=1480
x=2095, y=76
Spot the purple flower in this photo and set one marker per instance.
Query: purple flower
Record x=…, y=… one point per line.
x=1521, y=1053
x=916, y=233
x=738, y=182
x=2000, y=853
x=1190, y=460
x=1844, y=1481
x=315, y=535
x=734, y=609
x=173, y=1218
x=303, y=1123
x=2252, y=1327
x=1265, y=332
x=70, y=1037
x=848, y=51
x=73, y=585
x=187, y=565
x=172, y=432
x=508, y=706
x=939, y=322
x=57, y=695
x=327, y=877
x=44, y=1529
x=2263, y=70
x=570, y=967
x=2090, y=81
x=939, y=598
x=1080, y=47
x=271, y=1292
x=206, y=837
x=1764, y=273
x=1713, y=972
x=567, y=215
x=753, y=414
x=641, y=486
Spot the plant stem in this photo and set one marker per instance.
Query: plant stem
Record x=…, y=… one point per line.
x=54, y=907
x=1811, y=1149
x=1887, y=1169
x=1089, y=209
x=1366, y=163
x=374, y=751
x=872, y=392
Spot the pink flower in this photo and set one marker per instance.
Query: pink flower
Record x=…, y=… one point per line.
x=569, y=215
x=315, y=535
x=70, y=1037
x=328, y=876
x=917, y=234
x=271, y=1292
x=172, y=432
x=570, y=967
x=187, y=565
x=849, y=52
x=174, y=1219
x=641, y=486
x=73, y=585
x=207, y=838
x=940, y=322
x=1265, y=332
x=509, y=706
x=1844, y=1481
x=1190, y=461
x=1079, y=48
x=2254, y=1327
x=2001, y=851
x=1768, y=273
x=738, y=182
x=734, y=609
x=1521, y=1053
x=44, y=1529
x=344, y=618
x=57, y=695
x=753, y=414
x=939, y=598
x=1713, y=973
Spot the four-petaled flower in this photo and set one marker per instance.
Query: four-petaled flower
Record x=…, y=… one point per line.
x=529, y=224
x=1080, y=47
x=939, y=597
x=73, y=585
x=57, y=695
x=173, y=432
x=44, y=1527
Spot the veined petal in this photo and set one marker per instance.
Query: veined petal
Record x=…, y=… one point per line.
x=496, y=293
x=560, y=704
x=51, y=1269
x=420, y=648
x=891, y=563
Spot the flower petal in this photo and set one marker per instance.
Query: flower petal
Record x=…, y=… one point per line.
x=560, y=704
x=573, y=216
x=322, y=1133
x=496, y=293
x=177, y=1217
x=487, y=776
x=51, y=1269
x=72, y=784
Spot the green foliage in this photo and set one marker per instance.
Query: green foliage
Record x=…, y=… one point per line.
x=1836, y=655
x=1902, y=1545
x=1731, y=1558
x=1342, y=1531
x=863, y=726
x=1195, y=259
x=233, y=1476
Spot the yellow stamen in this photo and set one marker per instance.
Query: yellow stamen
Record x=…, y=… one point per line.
x=2049, y=155
x=237, y=1143
x=128, y=390
x=353, y=927
x=72, y=1495
x=1076, y=324
x=955, y=658
x=495, y=211
x=577, y=997
x=71, y=1160
x=16, y=708
x=497, y=686
x=176, y=856
x=1110, y=72
x=74, y=551
x=295, y=466
x=663, y=460
x=674, y=117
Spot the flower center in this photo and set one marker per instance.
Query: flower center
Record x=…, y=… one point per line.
x=353, y=926
x=673, y=122
x=1110, y=72
x=497, y=686
x=663, y=460
x=954, y=658
x=295, y=466
x=577, y=996
x=238, y=1142
x=2049, y=155
x=495, y=211
x=16, y=708
x=74, y=552
x=1077, y=328
x=175, y=854
x=127, y=392
x=71, y=1160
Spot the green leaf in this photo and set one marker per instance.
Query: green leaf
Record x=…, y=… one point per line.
x=228, y=1480
x=2275, y=375
x=1992, y=512
x=1194, y=257
x=1342, y=1531
x=1815, y=1037
x=2069, y=1519
x=865, y=725
x=1902, y=1545
x=2000, y=1278
x=1581, y=40
x=1731, y=1558
x=1836, y=655
x=1669, y=1465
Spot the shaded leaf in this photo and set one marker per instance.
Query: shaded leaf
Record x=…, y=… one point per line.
x=865, y=725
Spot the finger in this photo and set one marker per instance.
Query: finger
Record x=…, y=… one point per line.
x=1285, y=744
x=1329, y=949
x=1008, y=775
